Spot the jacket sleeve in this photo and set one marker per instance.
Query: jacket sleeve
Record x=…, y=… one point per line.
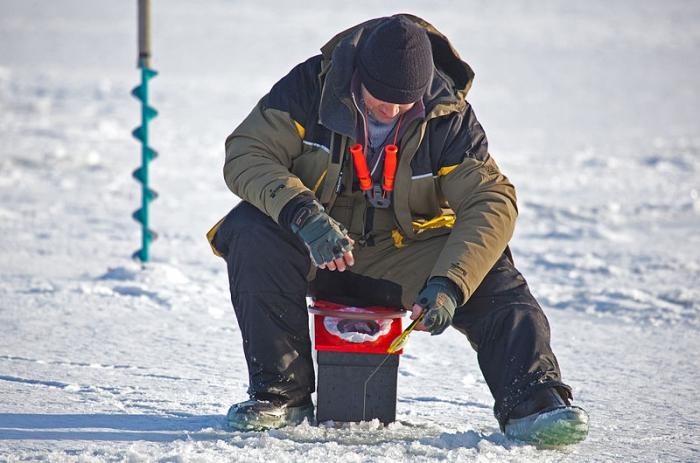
x=261, y=150
x=483, y=200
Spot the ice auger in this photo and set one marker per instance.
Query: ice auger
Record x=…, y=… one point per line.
x=141, y=132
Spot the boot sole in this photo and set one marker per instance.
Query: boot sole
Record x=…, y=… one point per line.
x=266, y=421
x=556, y=428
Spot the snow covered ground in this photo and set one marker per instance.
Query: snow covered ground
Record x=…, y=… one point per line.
x=591, y=108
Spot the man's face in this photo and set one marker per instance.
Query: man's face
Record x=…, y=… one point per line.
x=383, y=111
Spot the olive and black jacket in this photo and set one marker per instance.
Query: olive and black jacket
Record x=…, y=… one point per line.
x=295, y=141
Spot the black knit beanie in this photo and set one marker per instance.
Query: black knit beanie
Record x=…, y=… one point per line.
x=395, y=63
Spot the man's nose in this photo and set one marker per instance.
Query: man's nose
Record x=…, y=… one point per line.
x=391, y=110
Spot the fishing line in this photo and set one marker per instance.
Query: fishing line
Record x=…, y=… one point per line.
x=398, y=344
x=364, y=391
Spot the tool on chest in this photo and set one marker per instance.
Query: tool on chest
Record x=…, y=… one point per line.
x=379, y=196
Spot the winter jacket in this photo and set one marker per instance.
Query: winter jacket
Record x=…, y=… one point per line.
x=296, y=140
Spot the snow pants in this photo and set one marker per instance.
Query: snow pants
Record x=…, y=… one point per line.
x=270, y=275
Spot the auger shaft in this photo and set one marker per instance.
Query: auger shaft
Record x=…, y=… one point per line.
x=141, y=132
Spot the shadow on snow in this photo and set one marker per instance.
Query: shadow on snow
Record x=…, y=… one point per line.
x=110, y=427
x=163, y=428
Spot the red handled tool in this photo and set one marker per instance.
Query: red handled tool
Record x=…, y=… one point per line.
x=360, y=162
x=377, y=196
x=390, y=155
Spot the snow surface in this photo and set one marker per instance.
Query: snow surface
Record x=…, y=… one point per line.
x=591, y=108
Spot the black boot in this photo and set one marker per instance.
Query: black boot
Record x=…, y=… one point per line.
x=261, y=415
x=545, y=419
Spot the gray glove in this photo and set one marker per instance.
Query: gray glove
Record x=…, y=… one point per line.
x=326, y=238
x=439, y=300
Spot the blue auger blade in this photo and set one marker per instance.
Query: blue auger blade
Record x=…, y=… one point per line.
x=150, y=194
x=150, y=112
x=148, y=154
x=138, y=133
x=149, y=73
x=138, y=215
x=138, y=174
x=151, y=154
x=137, y=92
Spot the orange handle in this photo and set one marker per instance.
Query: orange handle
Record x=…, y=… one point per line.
x=390, y=154
x=358, y=159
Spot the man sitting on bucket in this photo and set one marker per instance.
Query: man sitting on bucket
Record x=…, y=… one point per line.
x=364, y=174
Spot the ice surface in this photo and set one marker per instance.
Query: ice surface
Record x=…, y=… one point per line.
x=591, y=109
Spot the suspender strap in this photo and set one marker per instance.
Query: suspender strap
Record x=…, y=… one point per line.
x=333, y=180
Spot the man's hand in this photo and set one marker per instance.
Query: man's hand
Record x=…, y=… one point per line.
x=438, y=298
x=328, y=241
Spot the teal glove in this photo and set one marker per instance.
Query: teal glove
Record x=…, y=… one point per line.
x=439, y=300
x=326, y=238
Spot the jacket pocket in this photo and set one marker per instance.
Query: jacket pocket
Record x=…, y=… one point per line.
x=423, y=197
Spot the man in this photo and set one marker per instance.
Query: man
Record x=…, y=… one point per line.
x=329, y=211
